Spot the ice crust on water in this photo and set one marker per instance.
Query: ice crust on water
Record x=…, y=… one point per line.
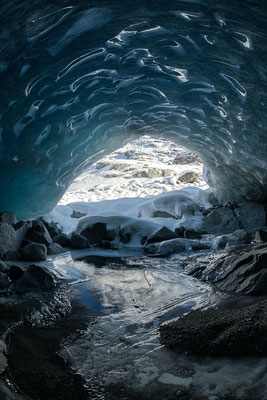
x=99, y=76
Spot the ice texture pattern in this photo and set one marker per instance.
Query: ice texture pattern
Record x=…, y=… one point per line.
x=77, y=81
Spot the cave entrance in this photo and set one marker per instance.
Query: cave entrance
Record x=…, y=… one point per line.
x=142, y=167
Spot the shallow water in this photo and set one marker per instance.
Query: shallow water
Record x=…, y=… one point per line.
x=129, y=296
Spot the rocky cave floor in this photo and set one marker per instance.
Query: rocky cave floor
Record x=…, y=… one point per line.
x=235, y=327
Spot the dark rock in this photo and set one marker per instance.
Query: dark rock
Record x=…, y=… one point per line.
x=63, y=240
x=239, y=270
x=3, y=267
x=162, y=234
x=12, y=256
x=220, y=221
x=52, y=228
x=34, y=252
x=38, y=233
x=162, y=214
x=245, y=273
x=179, y=232
x=237, y=238
x=54, y=248
x=261, y=235
x=125, y=237
x=4, y=281
x=79, y=242
x=251, y=216
x=232, y=331
x=77, y=214
x=25, y=242
x=20, y=224
x=192, y=234
x=8, y=238
x=35, y=278
x=21, y=229
x=97, y=233
x=168, y=247
x=8, y=218
x=15, y=272
x=213, y=200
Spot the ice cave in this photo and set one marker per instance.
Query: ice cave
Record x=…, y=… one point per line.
x=77, y=81
x=133, y=206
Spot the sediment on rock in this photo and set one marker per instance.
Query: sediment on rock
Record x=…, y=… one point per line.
x=226, y=331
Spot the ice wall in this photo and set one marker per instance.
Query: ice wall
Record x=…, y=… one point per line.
x=77, y=81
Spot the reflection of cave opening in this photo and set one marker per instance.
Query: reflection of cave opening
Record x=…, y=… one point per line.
x=142, y=167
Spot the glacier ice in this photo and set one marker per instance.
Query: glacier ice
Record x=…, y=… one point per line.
x=78, y=81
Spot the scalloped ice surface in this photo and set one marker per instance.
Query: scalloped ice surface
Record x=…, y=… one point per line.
x=78, y=80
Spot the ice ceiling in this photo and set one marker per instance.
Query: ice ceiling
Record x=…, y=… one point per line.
x=78, y=79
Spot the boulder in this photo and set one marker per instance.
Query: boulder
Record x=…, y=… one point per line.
x=174, y=246
x=21, y=229
x=192, y=234
x=79, y=242
x=228, y=331
x=77, y=214
x=8, y=238
x=240, y=270
x=54, y=248
x=237, y=238
x=15, y=272
x=162, y=234
x=188, y=177
x=220, y=221
x=8, y=218
x=62, y=239
x=52, y=228
x=244, y=273
x=125, y=237
x=12, y=256
x=35, y=278
x=38, y=233
x=97, y=233
x=34, y=252
x=179, y=232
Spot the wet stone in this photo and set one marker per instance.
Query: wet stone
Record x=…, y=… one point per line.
x=79, y=242
x=34, y=252
x=97, y=233
x=15, y=272
x=52, y=228
x=38, y=233
x=12, y=256
x=35, y=278
x=192, y=234
x=162, y=234
x=54, y=248
x=62, y=239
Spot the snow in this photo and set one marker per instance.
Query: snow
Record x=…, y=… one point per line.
x=140, y=182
